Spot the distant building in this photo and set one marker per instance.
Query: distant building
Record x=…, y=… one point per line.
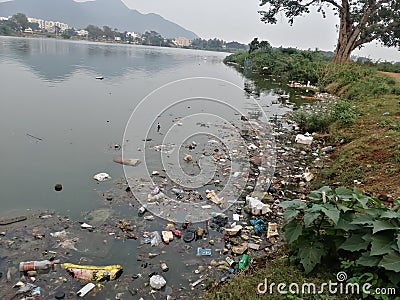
x=82, y=32
x=117, y=38
x=182, y=42
x=49, y=26
x=3, y=18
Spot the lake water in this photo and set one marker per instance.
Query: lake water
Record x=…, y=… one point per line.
x=59, y=124
x=49, y=90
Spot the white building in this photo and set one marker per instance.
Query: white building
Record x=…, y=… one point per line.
x=182, y=42
x=50, y=26
x=82, y=32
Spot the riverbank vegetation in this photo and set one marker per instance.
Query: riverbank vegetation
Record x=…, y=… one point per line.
x=353, y=225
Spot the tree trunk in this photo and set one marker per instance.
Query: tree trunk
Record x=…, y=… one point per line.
x=343, y=51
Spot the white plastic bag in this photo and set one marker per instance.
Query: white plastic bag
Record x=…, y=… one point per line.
x=155, y=238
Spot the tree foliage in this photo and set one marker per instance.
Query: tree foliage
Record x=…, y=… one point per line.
x=360, y=21
x=20, y=20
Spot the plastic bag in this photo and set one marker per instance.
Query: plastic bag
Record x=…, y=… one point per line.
x=155, y=238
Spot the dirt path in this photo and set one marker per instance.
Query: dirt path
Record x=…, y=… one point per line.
x=394, y=75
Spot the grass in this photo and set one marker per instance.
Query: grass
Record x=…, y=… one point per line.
x=277, y=269
x=368, y=150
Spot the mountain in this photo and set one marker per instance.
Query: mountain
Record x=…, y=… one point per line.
x=112, y=13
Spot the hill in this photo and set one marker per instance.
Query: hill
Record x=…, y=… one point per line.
x=112, y=13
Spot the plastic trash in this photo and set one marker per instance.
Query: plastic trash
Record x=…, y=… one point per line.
x=176, y=232
x=197, y=282
x=272, y=230
x=37, y=265
x=26, y=288
x=257, y=207
x=133, y=162
x=86, y=226
x=244, y=261
x=86, y=289
x=258, y=225
x=177, y=191
x=142, y=209
x=328, y=149
x=230, y=261
x=203, y=252
x=234, y=230
x=36, y=292
x=307, y=175
x=159, y=196
x=188, y=236
x=157, y=282
x=187, y=158
x=213, y=197
x=102, y=177
x=167, y=236
x=164, y=267
x=303, y=139
x=93, y=273
x=155, y=238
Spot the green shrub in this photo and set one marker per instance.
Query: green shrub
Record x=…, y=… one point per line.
x=344, y=224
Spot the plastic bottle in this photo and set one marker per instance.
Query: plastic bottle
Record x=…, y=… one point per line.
x=244, y=261
x=36, y=265
x=143, y=209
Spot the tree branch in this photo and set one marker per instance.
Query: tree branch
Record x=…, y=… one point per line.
x=377, y=35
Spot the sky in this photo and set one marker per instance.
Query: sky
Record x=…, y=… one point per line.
x=238, y=20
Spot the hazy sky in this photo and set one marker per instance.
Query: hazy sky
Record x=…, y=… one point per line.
x=238, y=20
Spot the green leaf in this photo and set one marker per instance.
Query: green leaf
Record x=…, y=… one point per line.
x=344, y=193
x=354, y=243
x=367, y=237
x=390, y=214
x=362, y=219
x=315, y=196
x=381, y=243
x=380, y=225
x=398, y=240
x=393, y=277
x=345, y=222
x=368, y=260
x=362, y=199
x=331, y=212
x=391, y=261
x=325, y=189
x=292, y=231
x=310, y=216
x=290, y=213
x=342, y=207
x=310, y=255
x=294, y=204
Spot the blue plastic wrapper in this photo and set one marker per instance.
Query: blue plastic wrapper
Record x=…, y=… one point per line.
x=258, y=225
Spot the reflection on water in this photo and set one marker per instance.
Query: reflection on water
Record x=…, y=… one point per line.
x=55, y=60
